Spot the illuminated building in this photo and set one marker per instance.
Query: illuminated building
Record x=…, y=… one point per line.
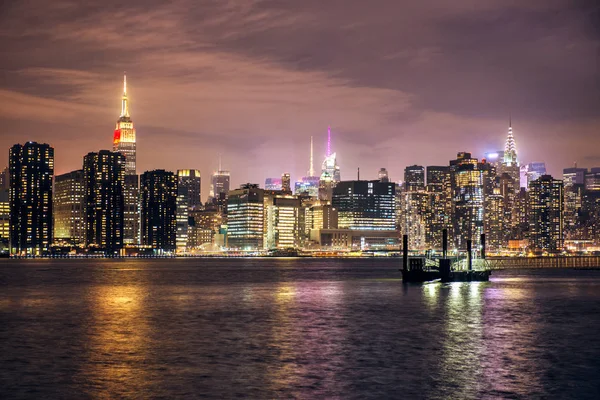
x=414, y=218
x=282, y=221
x=69, y=207
x=592, y=180
x=31, y=169
x=124, y=142
x=205, y=225
x=414, y=178
x=318, y=217
x=545, y=214
x=383, y=175
x=159, y=208
x=330, y=172
x=574, y=176
x=245, y=218
x=273, y=184
x=4, y=218
x=5, y=179
x=219, y=188
x=286, y=182
x=494, y=220
x=365, y=205
x=438, y=208
x=467, y=180
x=530, y=172
x=509, y=190
x=308, y=185
x=188, y=199
x=576, y=210
x=104, y=177
x=495, y=158
x=510, y=162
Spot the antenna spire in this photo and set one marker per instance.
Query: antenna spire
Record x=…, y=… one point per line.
x=311, y=170
x=219, y=162
x=328, y=141
x=124, y=100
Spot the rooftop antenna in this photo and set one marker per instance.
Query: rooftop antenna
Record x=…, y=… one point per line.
x=358, y=174
x=219, y=162
x=311, y=171
x=328, y=141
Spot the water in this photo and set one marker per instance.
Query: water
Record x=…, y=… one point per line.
x=292, y=328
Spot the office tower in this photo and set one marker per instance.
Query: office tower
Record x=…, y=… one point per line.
x=4, y=220
x=204, y=228
x=69, y=208
x=286, y=182
x=245, y=218
x=365, y=205
x=510, y=162
x=574, y=212
x=592, y=180
x=330, y=172
x=219, y=188
x=273, y=184
x=159, y=209
x=574, y=176
x=414, y=178
x=509, y=190
x=530, y=172
x=124, y=142
x=282, y=221
x=31, y=168
x=495, y=220
x=189, y=182
x=467, y=180
x=438, y=209
x=383, y=175
x=188, y=199
x=104, y=176
x=545, y=214
x=496, y=158
x=5, y=179
x=520, y=217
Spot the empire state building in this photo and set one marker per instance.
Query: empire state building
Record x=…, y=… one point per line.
x=124, y=143
x=124, y=136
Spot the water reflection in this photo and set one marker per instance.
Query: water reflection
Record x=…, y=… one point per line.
x=118, y=342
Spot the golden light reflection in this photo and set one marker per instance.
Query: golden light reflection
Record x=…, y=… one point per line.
x=431, y=294
x=118, y=339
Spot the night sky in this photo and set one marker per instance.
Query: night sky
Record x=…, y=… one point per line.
x=399, y=82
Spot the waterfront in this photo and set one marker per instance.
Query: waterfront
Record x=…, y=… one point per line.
x=304, y=328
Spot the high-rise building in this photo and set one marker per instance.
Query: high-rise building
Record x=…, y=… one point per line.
x=4, y=220
x=592, y=180
x=308, y=185
x=495, y=220
x=510, y=162
x=159, y=208
x=31, y=169
x=124, y=142
x=273, y=184
x=365, y=205
x=69, y=207
x=205, y=226
x=438, y=208
x=188, y=199
x=219, y=188
x=574, y=176
x=282, y=220
x=245, y=218
x=383, y=175
x=330, y=172
x=5, y=179
x=468, y=186
x=104, y=176
x=530, y=172
x=286, y=182
x=414, y=178
x=545, y=214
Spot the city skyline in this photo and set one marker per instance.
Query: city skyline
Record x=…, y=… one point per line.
x=197, y=90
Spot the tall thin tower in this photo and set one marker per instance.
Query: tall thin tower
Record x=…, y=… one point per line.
x=124, y=136
x=311, y=169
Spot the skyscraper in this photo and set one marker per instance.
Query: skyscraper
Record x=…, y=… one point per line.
x=104, y=175
x=31, y=169
x=438, y=209
x=308, y=185
x=245, y=218
x=159, y=208
x=467, y=180
x=282, y=220
x=530, y=172
x=286, y=182
x=510, y=162
x=124, y=142
x=545, y=214
x=189, y=182
x=365, y=205
x=273, y=184
x=414, y=178
x=219, y=187
x=330, y=172
x=383, y=175
x=69, y=207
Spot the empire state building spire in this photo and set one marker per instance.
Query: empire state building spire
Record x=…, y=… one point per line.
x=124, y=101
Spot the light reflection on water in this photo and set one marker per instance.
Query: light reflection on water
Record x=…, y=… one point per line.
x=292, y=328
